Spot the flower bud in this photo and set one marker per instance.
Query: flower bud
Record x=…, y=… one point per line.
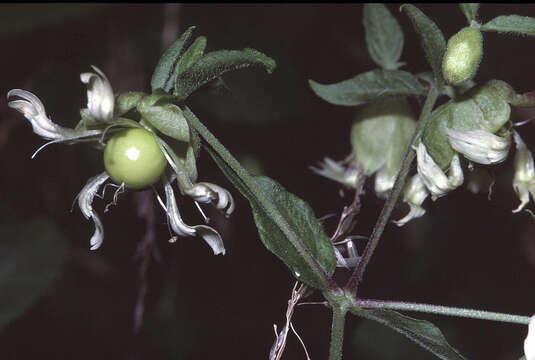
x=524, y=180
x=479, y=146
x=463, y=55
x=336, y=171
x=414, y=194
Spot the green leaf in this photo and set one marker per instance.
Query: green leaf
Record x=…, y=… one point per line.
x=286, y=224
x=384, y=36
x=511, y=24
x=158, y=96
x=368, y=87
x=127, y=101
x=162, y=76
x=470, y=11
x=32, y=255
x=433, y=41
x=216, y=63
x=168, y=119
x=421, y=332
x=191, y=56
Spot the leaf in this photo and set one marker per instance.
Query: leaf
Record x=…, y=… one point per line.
x=421, y=332
x=368, y=87
x=511, y=24
x=384, y=36
x=168, y=119
x=216, y=63
x=161, y=78
x=190, y=57
x=286, y=223
x=433, y=41
x=470, y=11
x=32, y=254
x=127, y=101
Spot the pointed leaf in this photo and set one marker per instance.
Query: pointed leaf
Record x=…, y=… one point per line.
x=421, y=332
x=190, y=57
x=511, y=24
x=368, y=87
x=433, y=41
x=384, y=36
x=469, y=10
x=32, y=254
x=216, y=63
x=162, y=76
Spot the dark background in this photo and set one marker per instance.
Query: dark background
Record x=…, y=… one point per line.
x=466, y=251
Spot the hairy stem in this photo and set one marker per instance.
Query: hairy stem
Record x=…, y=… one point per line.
x=443, y=310
x=401, y=178
x=337, y=333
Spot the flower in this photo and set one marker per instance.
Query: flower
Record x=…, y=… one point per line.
x=334, y=170
x=479, y=146
x=414, y=194
x=524, y=179
x=99, y=116
x=529, y=343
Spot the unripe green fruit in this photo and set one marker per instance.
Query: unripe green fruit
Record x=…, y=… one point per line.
x=463, y=55
x=134, y=158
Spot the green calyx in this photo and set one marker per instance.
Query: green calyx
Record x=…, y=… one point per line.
x=134, y=158
x=463, y=55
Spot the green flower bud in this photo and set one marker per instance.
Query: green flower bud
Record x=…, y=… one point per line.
x=463, y=55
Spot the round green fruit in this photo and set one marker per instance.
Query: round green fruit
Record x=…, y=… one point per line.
x=463, y=55
x=134, y=158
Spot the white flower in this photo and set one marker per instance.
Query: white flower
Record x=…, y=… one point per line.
x=100, y=99
x=479, y=146
x=85, y=201
x=529, y=343
x=207, y=193
x=335, y=171
x=414, y=194
x=384, y=181
x=432, y=175
x=524, y=180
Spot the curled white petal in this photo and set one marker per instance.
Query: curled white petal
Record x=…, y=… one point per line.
x=85, y=201
x=335, y=171
x=100, y=99
x=414, y=194
x=479, y=146
x=529, y=343
x=524, y=179
x=33, y=109
x=211, y=236
x=431, y=174
x=204, y=192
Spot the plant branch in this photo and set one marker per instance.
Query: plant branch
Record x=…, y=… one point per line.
x=265, y=202
x=401, y=178
x=443, y=310
x=337, y=333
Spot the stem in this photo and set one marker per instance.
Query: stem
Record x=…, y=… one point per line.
x=444, y=310
x=401, y=178
x=262, y=200
x=337, y=333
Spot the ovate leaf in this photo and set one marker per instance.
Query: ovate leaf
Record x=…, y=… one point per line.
x=511, y=24
x=216, y=63
x=384, y=36
x=162, y=76
x=421, y=332
x=469, y=10
x=168, y=119
x=433, y=41
x=31, y=256
x=368, y=87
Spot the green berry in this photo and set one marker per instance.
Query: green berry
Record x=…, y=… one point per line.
x=463, y=55
x=134, y=158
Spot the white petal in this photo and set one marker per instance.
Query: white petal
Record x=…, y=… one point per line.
x=529, y=343
x=384, y=181
x=204, y=192
x=211, y=236
x=479, y=146
x=455, y=173
x=333, y=170
x=414, y=194
x=85, y=201
x=524, y=179
x=100, y=99
x=431, y=174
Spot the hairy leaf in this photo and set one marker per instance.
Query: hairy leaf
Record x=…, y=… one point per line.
x=384, y=36
x=216, y=63
x=191, y=56
x=433, y=41
x=168, y=119
x=469, y=10
x=511, y=24
x=369, y=87
x=162, y=76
